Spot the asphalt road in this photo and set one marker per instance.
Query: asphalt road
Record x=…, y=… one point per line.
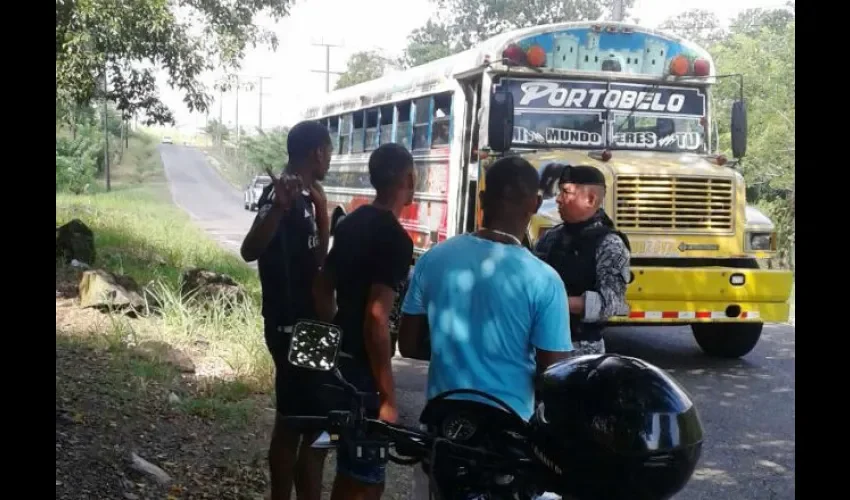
x=212, y=202
x=747, y=405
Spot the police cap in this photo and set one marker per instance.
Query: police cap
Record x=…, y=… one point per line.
x=582, y=174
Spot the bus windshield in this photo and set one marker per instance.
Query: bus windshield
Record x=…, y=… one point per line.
x=587, y=114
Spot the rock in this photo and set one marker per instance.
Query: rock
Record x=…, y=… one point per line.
x=164, y=353
x=99, y=288
x=142, y=465
x=203, y=284
x=68, y=280
x=75, y=240
x=173, y=398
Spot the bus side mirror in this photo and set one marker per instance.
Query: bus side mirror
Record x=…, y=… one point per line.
x=739, y=129
x=500, y=128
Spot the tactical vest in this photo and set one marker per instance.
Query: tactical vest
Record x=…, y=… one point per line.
x=573, y=255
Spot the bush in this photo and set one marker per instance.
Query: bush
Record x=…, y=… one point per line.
x=77, y=160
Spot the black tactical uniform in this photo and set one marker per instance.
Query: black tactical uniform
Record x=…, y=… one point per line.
x=593, y=260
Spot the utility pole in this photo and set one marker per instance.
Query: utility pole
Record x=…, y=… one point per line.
x=220, y=119
x=327, y=71
x=261, y=78
x=106, y=131
x=237, y=112
x=618, y=10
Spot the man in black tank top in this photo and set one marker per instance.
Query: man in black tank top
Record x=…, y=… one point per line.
x=289, y=239
x=371, y=256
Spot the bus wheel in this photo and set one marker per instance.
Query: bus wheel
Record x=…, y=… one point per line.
x=730, y=340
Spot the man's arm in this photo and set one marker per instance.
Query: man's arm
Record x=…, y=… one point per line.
x=376, y=333
x=414, y=334
x=612, y=279
x=390, y=261
x=269, y=215
x=323, y=295
x=320, y=206
x=550, y=333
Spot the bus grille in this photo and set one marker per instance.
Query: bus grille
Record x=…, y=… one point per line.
x=662, y=203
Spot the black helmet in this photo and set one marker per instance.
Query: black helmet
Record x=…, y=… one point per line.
x=611, y=427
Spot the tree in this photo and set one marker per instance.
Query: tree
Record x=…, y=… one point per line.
x=698, y=25
x=751, y=21
x=467, y=22
x=364, y=66
x=267, y=150
x=766, y=58
x=97, y=38
x=218, y=131
x=428, y=43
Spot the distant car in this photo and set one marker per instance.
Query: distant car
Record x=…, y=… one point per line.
x=167, y=140
x=254, y=190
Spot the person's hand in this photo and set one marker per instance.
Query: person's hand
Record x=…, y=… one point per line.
x=286, y=188
x=388, y=412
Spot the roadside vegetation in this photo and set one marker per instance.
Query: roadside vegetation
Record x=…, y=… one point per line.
x=139, y=233
x=239, y=160
x=179, y=370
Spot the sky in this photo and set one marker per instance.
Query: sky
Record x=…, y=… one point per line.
x=290, y=73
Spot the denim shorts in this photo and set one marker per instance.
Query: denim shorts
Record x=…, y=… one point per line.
x=373, y=473
x=367, y=473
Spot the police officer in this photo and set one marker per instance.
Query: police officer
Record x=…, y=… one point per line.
x=590, y=255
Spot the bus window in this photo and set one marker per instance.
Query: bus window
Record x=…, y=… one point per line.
x=442, y=118
x=386, y=124
x=345, y=134
x=420, y=123
x=358, y=133
x=402, y=133
x=371, y=129
x=333, y=128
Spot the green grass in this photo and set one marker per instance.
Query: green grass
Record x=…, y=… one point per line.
x=139, y=232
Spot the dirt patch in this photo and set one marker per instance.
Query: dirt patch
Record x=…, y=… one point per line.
x=110, y=404
x=209, y=435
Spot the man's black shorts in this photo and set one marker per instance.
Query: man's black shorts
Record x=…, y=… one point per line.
x=297, y=391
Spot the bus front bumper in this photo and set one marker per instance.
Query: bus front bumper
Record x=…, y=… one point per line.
x=667, y=295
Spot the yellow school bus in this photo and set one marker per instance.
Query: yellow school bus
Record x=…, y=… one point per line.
x=630, y=101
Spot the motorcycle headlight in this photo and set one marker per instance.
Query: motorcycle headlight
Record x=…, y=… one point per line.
x=761, y=241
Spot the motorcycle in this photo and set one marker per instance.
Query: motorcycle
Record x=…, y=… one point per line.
x=469, y=448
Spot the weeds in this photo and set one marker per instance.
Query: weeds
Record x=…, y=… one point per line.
x=139, y=233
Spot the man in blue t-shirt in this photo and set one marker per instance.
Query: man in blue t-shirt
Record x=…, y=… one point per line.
x=495, y=314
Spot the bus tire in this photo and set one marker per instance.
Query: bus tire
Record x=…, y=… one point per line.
x=730, y=340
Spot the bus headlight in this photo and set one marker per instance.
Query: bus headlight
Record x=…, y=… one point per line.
x=761, y=241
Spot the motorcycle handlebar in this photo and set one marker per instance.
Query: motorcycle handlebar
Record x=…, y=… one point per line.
x=414, y=444
x=410, y=439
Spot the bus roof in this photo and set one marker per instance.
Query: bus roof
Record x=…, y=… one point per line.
x=605, y=50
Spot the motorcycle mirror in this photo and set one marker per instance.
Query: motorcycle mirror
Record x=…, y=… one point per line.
x=315, y=345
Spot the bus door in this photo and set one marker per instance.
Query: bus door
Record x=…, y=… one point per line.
x=469, y=150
